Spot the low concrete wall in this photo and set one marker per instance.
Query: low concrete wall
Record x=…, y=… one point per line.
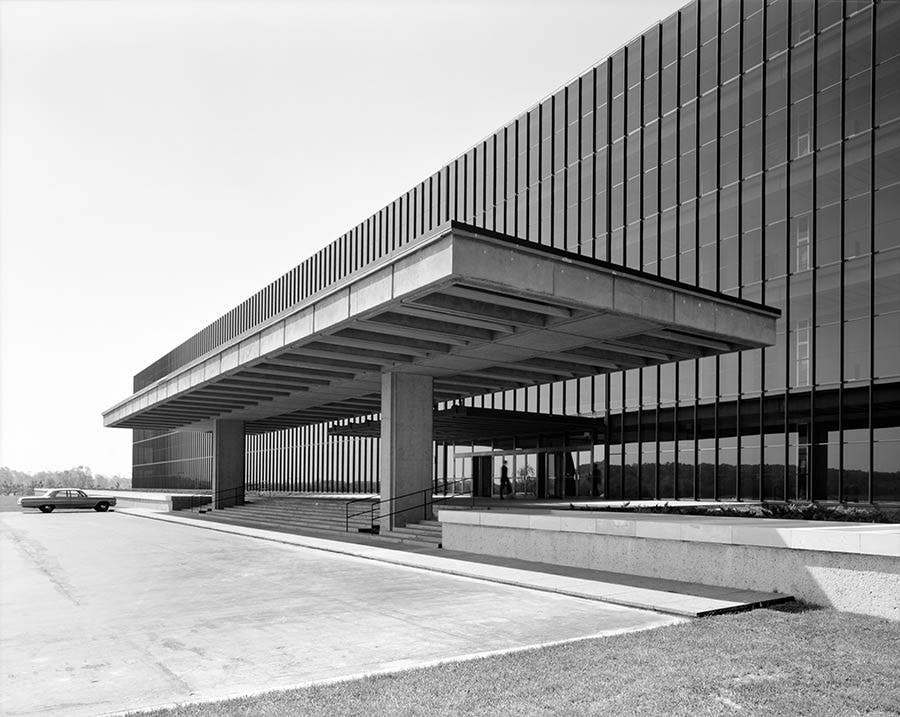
x=157, y=502
x=852, y=581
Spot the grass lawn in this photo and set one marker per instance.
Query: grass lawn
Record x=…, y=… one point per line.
x=788, y=660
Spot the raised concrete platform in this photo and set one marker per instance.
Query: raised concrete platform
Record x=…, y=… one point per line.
x=151, y=500
x=829, y=536
x=659, y=595
x=849, y=566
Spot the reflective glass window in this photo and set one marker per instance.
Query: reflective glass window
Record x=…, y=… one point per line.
x=858, y=44
x=830, y=12
x=828, y=176
x=709, y=65
x=651, y=98
x=828, y=120
x=856, y=288
x=688, y=69
x=856, y=226
x=651, y=51
x=775, y=249
x=776, y=27
x=801, y=71
x=709, y=118
x=708, y=167
x=688, y=130
x=753, y=37
x=828, y=234
x=776, y=139
x=729, y=155
x=731, y=54
x=751, y=148
x=689, y=27
x=828, y=61
x=709, y=19
x=887, y=30
x=669, y=88
x=800, y=143
x=857, y=170
x=887, y=218
x=856, y=350
x=802, y=21
x=729, y=109
x=887, y=91
x=776, y=84
x=857, y=103
x=633, y=53
x=670, y=40
x=618, y=73
x=887, y=155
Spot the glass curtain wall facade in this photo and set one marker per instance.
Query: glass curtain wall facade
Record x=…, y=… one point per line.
x=746, y=146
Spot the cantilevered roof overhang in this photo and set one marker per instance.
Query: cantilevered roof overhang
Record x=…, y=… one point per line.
x=479, y=311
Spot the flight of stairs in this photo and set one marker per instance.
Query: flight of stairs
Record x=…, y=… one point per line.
x=425, y=533
x=321, y=517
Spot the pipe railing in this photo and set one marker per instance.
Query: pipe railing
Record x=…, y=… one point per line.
x=426, y=502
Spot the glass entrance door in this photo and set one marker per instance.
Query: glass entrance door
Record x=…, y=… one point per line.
x=569, y=474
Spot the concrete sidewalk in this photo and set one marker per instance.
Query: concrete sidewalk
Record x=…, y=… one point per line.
x=103, y=612
x=656, y=594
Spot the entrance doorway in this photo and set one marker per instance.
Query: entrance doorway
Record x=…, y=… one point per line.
x=569, y=474
x=558, y=471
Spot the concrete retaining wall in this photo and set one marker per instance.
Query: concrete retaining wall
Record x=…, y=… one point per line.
x=862, y=583
x=156, y=502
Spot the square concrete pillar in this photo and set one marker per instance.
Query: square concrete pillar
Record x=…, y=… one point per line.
x=228, y=463
x=406, y=447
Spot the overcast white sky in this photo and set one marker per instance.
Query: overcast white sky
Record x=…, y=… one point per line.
x=161, y=161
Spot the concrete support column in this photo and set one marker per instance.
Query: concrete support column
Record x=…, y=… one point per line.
x=228, y=463
x=406, y=446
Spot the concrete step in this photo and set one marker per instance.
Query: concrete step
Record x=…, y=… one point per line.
x=273, y=510
x=237, y=520
x=335, y=517
x=426, y=534
x=306, y=508
x=317, y=517
x=409, y=540
x=264, y=519
x=414, y=530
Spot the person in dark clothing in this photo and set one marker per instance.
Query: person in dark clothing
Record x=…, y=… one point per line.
x=505, y=485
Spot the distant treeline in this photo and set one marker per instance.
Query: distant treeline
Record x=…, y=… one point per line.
x=22, y=483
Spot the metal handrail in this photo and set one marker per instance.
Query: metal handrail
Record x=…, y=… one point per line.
x=238, y=493
x=425, y=503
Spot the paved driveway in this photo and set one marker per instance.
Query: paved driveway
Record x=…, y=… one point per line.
x=102, y=612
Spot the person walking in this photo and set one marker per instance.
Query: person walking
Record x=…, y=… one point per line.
x=505, y=485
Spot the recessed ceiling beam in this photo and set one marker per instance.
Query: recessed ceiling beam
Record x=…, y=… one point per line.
x=398, y=330
x=318, y=361
x=502, y=300
x=431, y=315
x=479, y=309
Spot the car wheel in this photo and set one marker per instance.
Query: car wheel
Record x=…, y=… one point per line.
x=47, y=509
x=102, y=507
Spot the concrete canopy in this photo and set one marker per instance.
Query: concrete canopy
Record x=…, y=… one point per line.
x=478, y=311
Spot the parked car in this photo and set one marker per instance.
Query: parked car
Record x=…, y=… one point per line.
x=66, y=498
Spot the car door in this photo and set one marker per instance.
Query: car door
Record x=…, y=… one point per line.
x=79, y=499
